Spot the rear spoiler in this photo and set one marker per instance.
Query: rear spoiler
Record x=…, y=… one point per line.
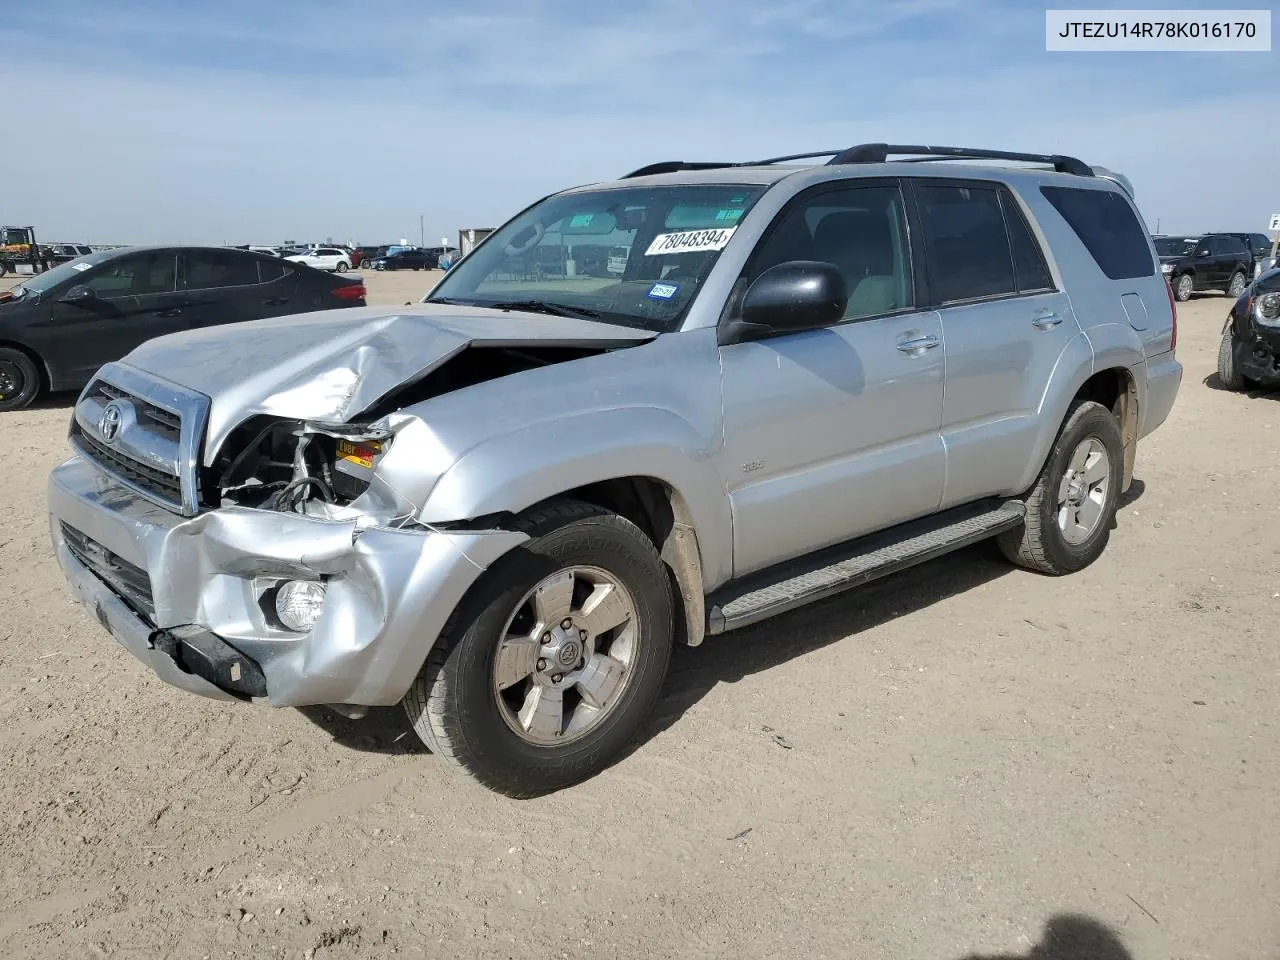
x=1117, y=178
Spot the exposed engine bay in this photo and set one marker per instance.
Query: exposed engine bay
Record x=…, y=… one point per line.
x=317, y=469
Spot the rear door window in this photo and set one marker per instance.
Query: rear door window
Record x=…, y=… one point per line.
x=968, y=247
x=1106, y=224
x=209, y=269
x=1030, y=270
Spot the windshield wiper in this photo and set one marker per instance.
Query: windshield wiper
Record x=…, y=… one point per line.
x=452, y=302
x=542, y=306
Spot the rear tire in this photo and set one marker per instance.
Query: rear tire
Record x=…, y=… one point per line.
x=1183, y=287
x=1054, y=537
x=1228, y=371
x=1236, y=287
x=463, y=711
x=19, y=379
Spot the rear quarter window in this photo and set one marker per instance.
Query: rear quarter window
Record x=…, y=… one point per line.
x=1107, y=226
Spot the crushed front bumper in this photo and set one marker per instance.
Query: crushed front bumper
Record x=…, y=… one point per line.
x=186, y=596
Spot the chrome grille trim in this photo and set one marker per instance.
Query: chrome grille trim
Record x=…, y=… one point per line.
x=155, y=451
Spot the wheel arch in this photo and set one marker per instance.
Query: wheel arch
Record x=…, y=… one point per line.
x=1113, y=385
x=46, y=373
x=645, y=464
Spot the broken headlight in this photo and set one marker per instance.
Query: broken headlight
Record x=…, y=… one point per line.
x=283, y=465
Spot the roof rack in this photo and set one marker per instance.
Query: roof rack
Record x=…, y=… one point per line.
x=880, y=153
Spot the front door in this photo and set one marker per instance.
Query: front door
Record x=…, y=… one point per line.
x=833, y=433
x=135, y=299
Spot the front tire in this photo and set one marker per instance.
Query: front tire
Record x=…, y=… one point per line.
x=1071, y=508
x=19, y=380
x=1236, y=287
x=1183, y=287
x=1228, y=370
x=488, y=699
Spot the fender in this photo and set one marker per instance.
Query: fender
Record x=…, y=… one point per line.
x=513, y=471
x=1101, y=347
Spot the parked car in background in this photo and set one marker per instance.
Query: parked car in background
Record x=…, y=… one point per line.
x=363, y=257
x=63, y=252
x=334, y=259
x=438, y=252
x=416, y=259
x=1249, y=353
x=1259, y=245
x=58, y=327
x=1209, y=261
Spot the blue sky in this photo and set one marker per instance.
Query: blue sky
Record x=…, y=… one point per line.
x=243, y=122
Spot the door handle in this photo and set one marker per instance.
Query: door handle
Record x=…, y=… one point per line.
x=275, y=301
x=918, y=344
x=171, y=312
x=1047, y=321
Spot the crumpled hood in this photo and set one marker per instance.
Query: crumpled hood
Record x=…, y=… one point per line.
x=330, y=365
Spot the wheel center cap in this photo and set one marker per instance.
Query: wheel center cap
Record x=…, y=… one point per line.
x=569, y=654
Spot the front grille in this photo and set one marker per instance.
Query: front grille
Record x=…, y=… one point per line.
x=130, y=583
x=156, y=482
x=144, y=432
x=149, y=413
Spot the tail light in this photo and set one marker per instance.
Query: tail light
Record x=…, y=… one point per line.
x=349, y=291
x=1173, y=309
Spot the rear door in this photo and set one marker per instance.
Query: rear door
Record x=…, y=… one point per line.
x=1218, y=262
x=226, y=286
x=135, y=299
x=1005, y=323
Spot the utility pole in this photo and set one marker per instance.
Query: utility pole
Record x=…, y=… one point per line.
x=422, y=233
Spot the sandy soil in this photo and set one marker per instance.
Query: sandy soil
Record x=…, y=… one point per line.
x=953, y=762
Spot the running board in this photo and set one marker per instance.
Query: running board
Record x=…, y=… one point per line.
x=831, y=571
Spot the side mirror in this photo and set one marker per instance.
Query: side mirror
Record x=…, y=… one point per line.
x=79, y=294
x=788, y=298
x=1202, y=252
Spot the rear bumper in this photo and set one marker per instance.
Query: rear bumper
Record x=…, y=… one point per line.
x=1164, y=377
x=209, y=577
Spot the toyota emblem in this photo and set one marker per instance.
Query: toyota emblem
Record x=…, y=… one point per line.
x=109, y=422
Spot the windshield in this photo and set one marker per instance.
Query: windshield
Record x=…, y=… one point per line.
x=632, y=256
x=1176, y=246
x=63, y=271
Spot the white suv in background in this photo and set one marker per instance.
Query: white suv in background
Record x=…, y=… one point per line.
x=324, y=258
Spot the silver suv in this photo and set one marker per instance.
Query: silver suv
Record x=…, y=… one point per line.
x=502, y=506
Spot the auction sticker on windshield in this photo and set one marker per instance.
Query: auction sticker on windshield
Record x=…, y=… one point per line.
x=690, y=241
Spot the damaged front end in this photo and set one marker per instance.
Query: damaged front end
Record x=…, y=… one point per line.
x=289, y=568
x=248, y=522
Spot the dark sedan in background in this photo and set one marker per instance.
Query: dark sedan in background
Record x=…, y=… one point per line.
x=1249, y=354
x=418, y=258
x=57, y=328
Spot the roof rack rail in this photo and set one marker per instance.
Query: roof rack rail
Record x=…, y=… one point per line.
x=879, y=153
x=672, y=166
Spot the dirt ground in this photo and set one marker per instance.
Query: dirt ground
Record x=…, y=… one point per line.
x=964, y=760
